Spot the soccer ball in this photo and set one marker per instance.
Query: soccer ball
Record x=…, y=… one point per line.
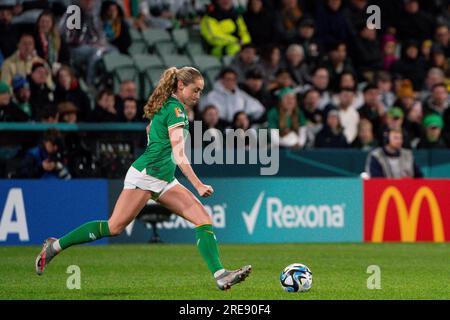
x=296, y=277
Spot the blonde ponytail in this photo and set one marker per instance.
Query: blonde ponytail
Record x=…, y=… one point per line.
x=168, y=85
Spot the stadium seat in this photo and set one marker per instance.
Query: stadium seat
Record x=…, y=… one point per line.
x=138, y=45
x=194, y=48
x=158, y=36
x=164, y=48
x=210, y=66
x=147, y=61
x=204, y=62
x=176, y=60
x=150, y=68
x=151, y=76
x=180, y=38
x=121, y=67
x=226, y=60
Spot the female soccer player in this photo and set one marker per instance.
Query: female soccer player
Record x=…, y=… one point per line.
x=152, y=176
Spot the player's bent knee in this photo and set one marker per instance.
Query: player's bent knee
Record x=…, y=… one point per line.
x=202, y=218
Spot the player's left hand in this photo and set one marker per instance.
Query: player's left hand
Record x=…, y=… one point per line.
x=205, y=190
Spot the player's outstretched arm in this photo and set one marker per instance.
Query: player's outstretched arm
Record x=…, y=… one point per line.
x=177, y=142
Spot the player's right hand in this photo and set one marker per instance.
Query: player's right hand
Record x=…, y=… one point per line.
x=205, y=190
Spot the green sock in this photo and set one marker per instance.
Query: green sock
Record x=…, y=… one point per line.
x=87, y=232
x=207, y=245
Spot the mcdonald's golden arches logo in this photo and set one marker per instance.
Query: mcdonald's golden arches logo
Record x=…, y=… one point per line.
x=408, y=219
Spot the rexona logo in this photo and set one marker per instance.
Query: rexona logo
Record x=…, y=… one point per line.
x=281, y=215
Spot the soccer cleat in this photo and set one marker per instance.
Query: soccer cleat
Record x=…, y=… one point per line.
x=230, y=278
x=45, y=256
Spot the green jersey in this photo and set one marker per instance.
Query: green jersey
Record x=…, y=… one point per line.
x=157, y=158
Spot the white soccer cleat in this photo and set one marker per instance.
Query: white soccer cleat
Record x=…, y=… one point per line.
x=232, y=277
x=45, y=256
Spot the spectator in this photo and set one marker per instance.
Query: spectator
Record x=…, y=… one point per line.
x=348, y=116
x=389, y=47
x=412, y=108
x=414, y=23
x=355, y=14
x=211, y=120
x=313, y=115
x=9, y=111
x=41, y=94
x=331, y=23
x=391, y=161
x=68, y=112
x=367, y=55
x=283, y=79
x=394, y=121
x=254, y=86
x=45, y=161
x=22, y=61
x=310, y=108
x=68, y=89
x=372, y=109
x=434, y=76
x=406, y=95
x=337, y=63
x=331, y=135
x=229, y=99
x=154, y=14
x=130, y=111
x=443, y=15
x=411, y=66
x=260, y=23
x=442, y=37
x=446, y=130
x=87, y=44
x=425, y=51
x=115, y=27
x=244, y=61
x=9, y=33
x=270, y=63
x=439, y=100
x=49, y=44
x=48, y=114
x=224, y=29
x=105, y=109
x=439, y=60
x=432, y=138
x=289, y=119
x=320, y=81
x=348, y=80
x=365, y=139
x=306, y=38
x=296, y=64
x=22, y=95
x=241, y=135
x=128, y=89
x=286, y=20
x=384, y=82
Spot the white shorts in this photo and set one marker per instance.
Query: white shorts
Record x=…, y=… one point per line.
x=139, y=179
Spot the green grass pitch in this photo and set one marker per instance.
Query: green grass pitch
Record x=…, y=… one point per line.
x=166, y=271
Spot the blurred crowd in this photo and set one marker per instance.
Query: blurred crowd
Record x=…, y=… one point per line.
x=315, y=70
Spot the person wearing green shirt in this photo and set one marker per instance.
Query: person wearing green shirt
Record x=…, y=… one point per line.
x=288, y=118
x=152, y=175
